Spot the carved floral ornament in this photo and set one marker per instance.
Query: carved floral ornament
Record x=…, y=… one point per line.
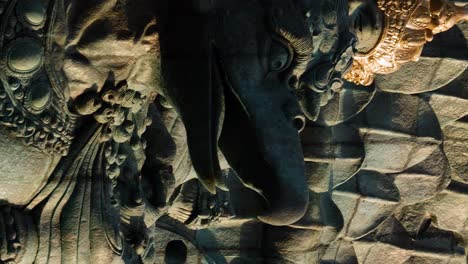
x=31, y=107
x=409, y=24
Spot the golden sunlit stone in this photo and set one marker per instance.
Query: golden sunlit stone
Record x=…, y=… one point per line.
x=409, y=24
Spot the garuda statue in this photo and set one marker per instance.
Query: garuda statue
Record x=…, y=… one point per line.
x=115, y=113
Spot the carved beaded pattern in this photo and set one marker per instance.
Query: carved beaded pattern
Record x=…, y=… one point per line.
x=29, y=104
x=123, y=116
x=409, y=24
x=382, y=59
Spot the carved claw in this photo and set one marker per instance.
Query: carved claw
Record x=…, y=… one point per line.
x=137, y=240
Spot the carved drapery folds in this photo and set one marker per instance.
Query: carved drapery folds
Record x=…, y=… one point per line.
x=95, y=186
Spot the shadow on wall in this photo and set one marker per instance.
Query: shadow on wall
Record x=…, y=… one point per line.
x=211, y=246
x=176, y=252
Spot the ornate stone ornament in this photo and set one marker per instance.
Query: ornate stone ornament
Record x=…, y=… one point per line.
x=408, y=26
x=31, y=107
x=225, y=131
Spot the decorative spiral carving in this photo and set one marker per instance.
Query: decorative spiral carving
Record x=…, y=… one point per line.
x=29, y=107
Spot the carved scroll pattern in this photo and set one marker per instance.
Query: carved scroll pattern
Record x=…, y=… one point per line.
x=29, y=106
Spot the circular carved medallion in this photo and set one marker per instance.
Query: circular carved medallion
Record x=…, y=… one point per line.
x=32, y=11
x=24, y=56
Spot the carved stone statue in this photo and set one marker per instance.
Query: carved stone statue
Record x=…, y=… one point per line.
x=230, y=131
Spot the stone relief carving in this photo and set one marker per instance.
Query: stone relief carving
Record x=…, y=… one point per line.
x=233, y=131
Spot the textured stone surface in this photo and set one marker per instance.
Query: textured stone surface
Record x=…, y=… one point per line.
x=141, y=131
x=24, y=171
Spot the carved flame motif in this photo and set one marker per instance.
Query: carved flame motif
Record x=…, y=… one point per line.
x=409, y=24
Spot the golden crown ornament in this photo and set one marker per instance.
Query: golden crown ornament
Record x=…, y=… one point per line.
x=408, y=26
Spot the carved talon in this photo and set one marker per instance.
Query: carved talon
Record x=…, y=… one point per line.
x=184, y=205
x=198, y=208
x=135, y=235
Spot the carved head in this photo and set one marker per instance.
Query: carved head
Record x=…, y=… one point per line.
x=328, y=23
x=231, y=71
